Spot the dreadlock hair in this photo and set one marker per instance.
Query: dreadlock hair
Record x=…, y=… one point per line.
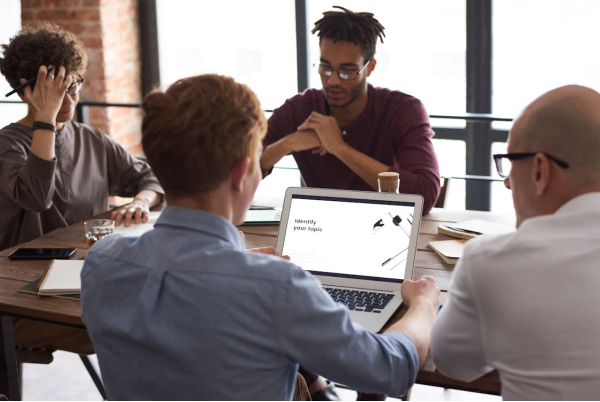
x=359, y=28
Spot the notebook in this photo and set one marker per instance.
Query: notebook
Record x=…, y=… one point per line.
x=449, y=250
x=32, y=288
x=61, y=277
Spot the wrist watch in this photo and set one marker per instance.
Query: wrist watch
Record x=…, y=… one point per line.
x=40, y=125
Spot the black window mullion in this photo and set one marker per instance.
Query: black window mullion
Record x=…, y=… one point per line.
x=479, y=100
x=302, y=44
x=149, y=44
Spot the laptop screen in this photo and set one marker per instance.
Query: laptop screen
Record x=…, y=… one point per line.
x=349, y=237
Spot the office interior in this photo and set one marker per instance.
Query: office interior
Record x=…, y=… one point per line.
x=473, y=63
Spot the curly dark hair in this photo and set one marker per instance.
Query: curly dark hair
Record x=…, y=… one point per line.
x=41, y=43
x=359, y=28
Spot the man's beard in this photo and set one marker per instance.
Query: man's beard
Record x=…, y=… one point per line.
x=354, y=94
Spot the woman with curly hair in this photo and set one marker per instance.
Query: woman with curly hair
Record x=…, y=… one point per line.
x=53, y=171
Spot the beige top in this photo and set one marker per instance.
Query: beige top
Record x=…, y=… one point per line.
x=38, y=196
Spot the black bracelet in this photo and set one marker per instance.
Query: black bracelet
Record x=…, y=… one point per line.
x=40, y=125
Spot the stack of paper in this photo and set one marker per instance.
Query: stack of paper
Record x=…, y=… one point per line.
x=140, y=228
x=449, y=250
x=473, y=228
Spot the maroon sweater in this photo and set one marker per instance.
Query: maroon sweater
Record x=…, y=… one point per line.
x=393, y=129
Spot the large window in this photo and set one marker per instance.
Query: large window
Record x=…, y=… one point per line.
x=252, y=41
x=10, y=23
x=539, y=45
x=435, y=50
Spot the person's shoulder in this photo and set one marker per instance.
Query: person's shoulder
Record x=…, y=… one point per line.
x=112, y=245
x=394, y=97
x=15, y=127
x=15, y=130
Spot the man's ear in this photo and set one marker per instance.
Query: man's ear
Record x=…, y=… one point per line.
x=541, y=173
x=240, y=170
x=371, y=66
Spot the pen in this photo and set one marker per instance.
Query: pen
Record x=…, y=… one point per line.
x=23, y=85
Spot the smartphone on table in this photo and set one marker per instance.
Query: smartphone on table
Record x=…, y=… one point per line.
x=42, y=253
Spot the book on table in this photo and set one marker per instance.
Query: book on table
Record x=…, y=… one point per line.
x=449, y=250
x=61, y=277
x=32, y=288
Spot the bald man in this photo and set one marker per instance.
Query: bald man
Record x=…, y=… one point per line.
x=527, y=304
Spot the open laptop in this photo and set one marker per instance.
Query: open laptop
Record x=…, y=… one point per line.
x=360, y=245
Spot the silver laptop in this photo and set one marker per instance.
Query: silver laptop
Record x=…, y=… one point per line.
x=361, y=245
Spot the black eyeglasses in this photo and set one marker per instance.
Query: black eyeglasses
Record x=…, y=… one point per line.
x=503, y=161
x=76, y=86
x=345, y=74
x=72, y=90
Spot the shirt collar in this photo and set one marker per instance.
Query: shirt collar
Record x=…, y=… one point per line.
x=581, y=202
x=201, y=221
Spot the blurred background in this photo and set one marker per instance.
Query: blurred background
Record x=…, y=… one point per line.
x=457, y=56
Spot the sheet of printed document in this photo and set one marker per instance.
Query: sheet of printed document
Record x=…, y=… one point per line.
x=140, y=228
x=478, y=226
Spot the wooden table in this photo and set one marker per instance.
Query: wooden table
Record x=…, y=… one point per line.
x=15, y=274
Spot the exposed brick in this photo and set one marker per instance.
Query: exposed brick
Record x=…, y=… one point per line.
x=87, y=14
x=63, y=3
x=74, y=27
x=26, y=16
x=31, y=4
x=92, y=43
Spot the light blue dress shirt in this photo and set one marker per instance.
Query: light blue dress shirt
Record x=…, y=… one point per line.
x=185, y=312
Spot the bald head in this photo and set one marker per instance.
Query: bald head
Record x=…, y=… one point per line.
x=564, y=123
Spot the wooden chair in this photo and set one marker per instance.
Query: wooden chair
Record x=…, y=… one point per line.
x=44, y=356
x=441, y=201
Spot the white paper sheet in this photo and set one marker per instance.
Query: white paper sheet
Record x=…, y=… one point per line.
x=482, y=227
x=139, y=229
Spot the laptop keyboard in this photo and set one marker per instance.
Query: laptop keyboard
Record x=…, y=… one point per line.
x=358, y=300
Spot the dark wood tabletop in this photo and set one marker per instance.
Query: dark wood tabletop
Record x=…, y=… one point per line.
x=15, y=274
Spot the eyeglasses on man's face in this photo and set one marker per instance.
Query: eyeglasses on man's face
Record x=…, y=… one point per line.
x=345, y=74
x=504, y=161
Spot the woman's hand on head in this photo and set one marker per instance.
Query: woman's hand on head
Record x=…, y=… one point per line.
x=47, y=97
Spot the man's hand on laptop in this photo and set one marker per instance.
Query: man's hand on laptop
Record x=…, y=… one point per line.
x=263, y=250
x=422, y=298
x=421, y=290
x=267, y=250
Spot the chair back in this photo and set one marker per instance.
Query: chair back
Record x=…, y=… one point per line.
x=441, y=201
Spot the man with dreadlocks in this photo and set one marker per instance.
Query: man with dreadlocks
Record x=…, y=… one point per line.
x=343, y=135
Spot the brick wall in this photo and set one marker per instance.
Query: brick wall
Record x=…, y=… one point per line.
x=109, y=29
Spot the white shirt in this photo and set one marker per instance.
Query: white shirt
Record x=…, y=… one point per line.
x=528, y=305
